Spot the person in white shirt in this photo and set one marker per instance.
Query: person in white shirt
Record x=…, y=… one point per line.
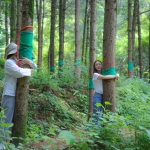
x=12, y=71
x=97, y=110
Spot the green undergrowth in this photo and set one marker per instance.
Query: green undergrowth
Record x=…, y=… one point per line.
x=58, y=111
x=63, y=118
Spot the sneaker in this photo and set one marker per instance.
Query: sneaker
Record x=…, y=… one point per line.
x=2, y=147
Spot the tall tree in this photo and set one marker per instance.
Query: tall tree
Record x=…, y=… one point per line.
x=109, y=37
x=135, y=11
x=139, y=42
x=13, y=21
x=6, y=24
x=62, y=9
x=149, y=46
x=84, y=31
x=0, y=14
x=87, y=38
x=77, y=39
x=130, y=63
x=20, y=114
x=39, y=19
x=52, y=36
x=19, y=17
x=92, y=51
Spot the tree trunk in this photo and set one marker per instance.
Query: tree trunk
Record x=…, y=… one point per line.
x=130, y=63
x=149, y=46
x=62, y=9
x=92, y=51
x=6, y=26
x=134, y=25
x=19, y=17
x=87, y=40
x=52, y=35
x=84, y=32
x=20, y=114
x=39, y=19
x=109, y=51
x=77, y=39
x=13, y=21
x=139, y=42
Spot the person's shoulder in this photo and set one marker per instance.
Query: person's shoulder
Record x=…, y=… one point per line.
x=10, y=62
x=95, y=76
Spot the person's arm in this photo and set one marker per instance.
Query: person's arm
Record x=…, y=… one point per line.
x=12, y=69
x=25, y=61
x=101, y=77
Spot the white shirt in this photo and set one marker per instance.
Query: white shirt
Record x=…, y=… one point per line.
x=98, y=84
x=12, y=72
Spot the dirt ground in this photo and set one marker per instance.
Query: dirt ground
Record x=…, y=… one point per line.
x=57, y=145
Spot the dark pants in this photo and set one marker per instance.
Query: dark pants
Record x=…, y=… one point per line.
x=8, y=103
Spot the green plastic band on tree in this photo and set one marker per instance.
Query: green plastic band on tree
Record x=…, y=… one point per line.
x=109, y=71
x=77, y=62
x=130, y=65
x=52, y=68
x=91, y=85
x=25, y=49
x=60, y=62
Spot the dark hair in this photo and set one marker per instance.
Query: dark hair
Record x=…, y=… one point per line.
x=10, y=55
x=94, y=69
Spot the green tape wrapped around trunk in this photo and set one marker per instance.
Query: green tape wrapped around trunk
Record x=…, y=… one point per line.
x=25, y=49
x=109, y=71
x=91, y=85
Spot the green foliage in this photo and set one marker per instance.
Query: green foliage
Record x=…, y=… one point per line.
x=80, y=104
x=46, y=106
x=134, y=93
x=2, y=61
x=31, y=8
x=5, y=134
x=43, y=79
x=70, y=139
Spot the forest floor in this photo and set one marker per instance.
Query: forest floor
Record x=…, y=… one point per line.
x=58, y=145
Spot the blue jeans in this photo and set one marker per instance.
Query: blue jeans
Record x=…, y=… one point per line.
x=97, y=110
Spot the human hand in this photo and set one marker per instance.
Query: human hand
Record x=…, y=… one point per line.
x=117, y=76
x=25, y=61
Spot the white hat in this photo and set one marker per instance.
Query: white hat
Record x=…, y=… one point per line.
x=11, y=49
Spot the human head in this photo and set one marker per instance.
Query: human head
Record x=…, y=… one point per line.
x=94, y=68
x=10, y=49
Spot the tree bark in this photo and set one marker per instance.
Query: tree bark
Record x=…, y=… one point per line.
x=130, y=63
x=52, y=35
x=62, y=9
x=135, y=11
x=109, y=37
x=149, y=46
x=19, y=18
x=84, y=32
x=6, y=26
x=92, y=50
x=77, y=39
x=20, y=113
x=13, y=21
x=87, y=40
x=39, y=19
x=139, y=43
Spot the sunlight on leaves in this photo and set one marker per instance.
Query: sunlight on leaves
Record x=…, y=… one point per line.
x=107, y=103
x=70, y=139
x=98, y=104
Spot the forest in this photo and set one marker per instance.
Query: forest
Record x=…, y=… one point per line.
x=53, y=107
